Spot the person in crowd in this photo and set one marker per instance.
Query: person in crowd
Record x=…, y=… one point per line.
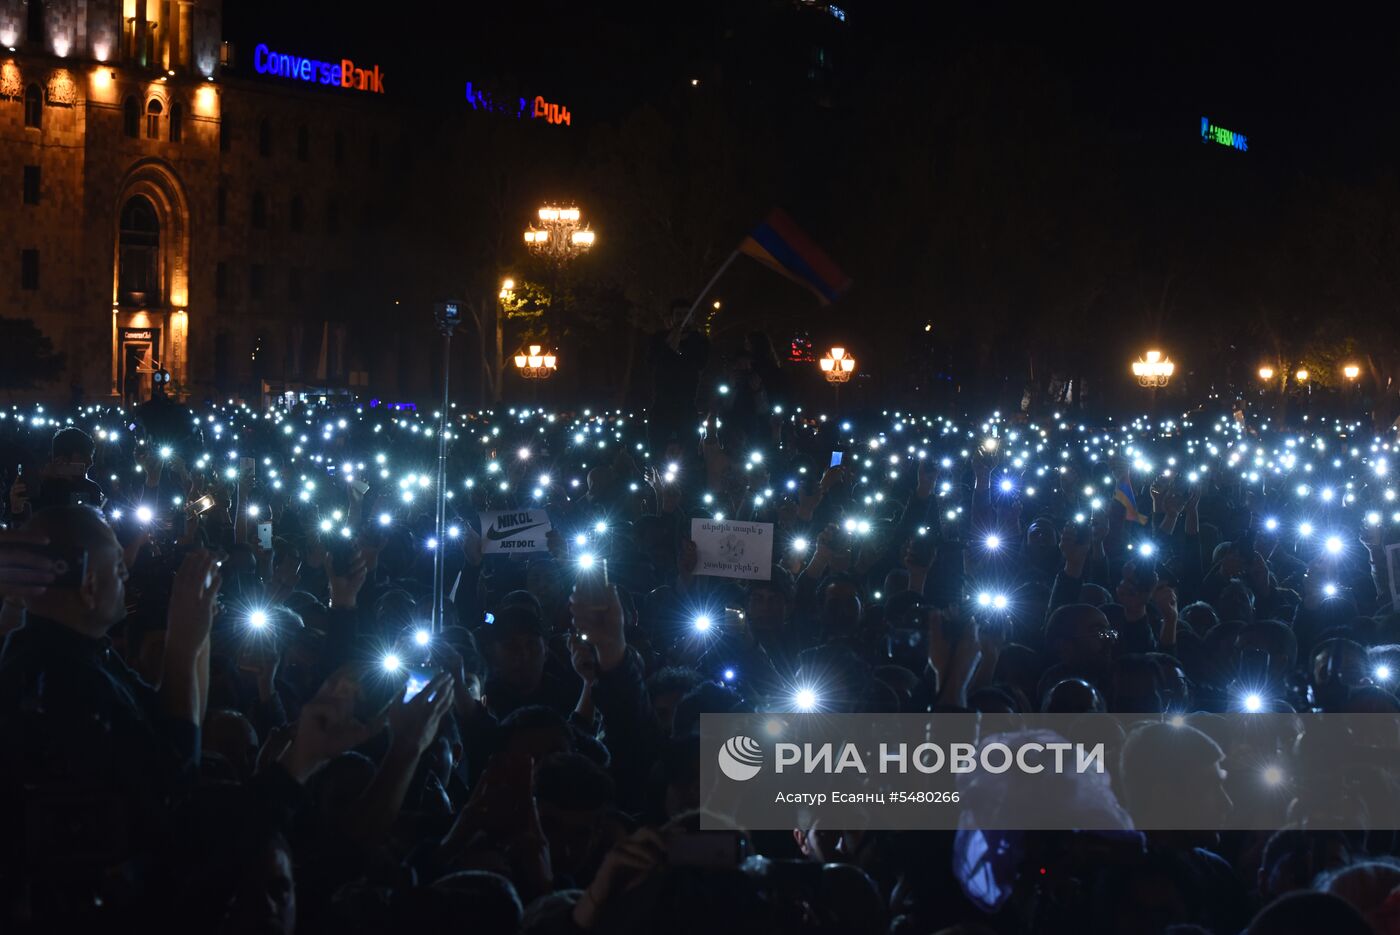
x=208, y=725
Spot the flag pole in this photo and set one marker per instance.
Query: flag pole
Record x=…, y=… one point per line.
x=677, y=331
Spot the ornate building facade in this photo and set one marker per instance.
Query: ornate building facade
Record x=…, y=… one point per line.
x=162, y=211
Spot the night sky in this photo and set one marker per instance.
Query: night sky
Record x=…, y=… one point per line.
x=1314, y=94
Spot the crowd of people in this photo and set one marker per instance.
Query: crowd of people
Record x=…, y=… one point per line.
x=224, y=706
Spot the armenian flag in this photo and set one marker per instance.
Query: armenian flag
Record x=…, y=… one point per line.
x=1124, y=495
x=782, y=246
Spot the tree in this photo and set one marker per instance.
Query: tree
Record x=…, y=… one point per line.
x=27, y=357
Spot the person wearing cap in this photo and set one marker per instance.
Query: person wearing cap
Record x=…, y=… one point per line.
x=516, y=658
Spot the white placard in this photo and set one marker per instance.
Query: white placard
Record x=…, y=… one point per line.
x=506, y=532
x=733, y=550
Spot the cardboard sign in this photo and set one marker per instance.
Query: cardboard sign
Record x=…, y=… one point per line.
x=1392, y=567
x=733, y=550
x=504, y=532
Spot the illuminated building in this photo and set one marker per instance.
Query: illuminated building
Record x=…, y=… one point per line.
x=170, y=211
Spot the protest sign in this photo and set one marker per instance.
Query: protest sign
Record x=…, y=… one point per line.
x=733, y=550
x=504, y=532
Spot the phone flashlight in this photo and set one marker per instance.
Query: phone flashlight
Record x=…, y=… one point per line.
x=993, y=543
x=1382, y=673
x=390, y=662
x=729, y=675
x=422, y=637
x=144, y=514
x=166, y=451
x=805, y=699
x=799, y=545
x=586, y=560
x=702, y=623
x=1253, y=702
x=1147, y=549
x=257, y=619
x=1273, y=776
x=600, y=527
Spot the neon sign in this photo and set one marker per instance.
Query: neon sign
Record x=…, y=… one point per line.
x=536, y=108
x=1210, y=133
x=342, y=74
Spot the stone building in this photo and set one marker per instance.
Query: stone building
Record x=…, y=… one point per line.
x=161, y=210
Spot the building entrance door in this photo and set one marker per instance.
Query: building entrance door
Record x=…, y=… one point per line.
x=137, y=360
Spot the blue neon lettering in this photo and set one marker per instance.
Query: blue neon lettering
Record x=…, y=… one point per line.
x=314, y=71
x=259, y=59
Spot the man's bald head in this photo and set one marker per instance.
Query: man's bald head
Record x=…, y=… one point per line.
x=98, y=601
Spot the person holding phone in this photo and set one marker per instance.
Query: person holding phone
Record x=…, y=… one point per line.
x=61, y=482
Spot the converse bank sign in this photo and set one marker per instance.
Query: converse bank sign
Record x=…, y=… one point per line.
x=344, y=74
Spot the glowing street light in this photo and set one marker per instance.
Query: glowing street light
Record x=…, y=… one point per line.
x=1266, y=373
x=1302, y=375
x=1154, y=370
x=1351, y=371
x=535, y=364
x=561, y=234
x=837, y=366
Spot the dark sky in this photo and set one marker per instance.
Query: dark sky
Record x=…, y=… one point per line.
x=1315, y=92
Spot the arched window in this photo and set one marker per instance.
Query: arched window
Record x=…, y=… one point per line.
x=138, y=273
x=33, y=107
x=303, y=143
x=177, y=121
x=265, y=137
x=34, y=26
x=131, y=117
x=259, y=210
x=153, y=111
x=298, y=213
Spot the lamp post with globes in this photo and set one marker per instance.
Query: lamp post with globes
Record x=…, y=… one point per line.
x=558, y=236
x=837, y=367
x=1154, y=370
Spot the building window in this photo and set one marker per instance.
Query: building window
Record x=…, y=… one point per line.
x=33, y=107
x=339, y=148
x=31, y=185
x=34, y=27
x=225, y=134
x=177, y=121
x=138, y=272
x=257, y=280
x=131, y=118
x=153, y=111
x=332, y=217
x=298, y=213
x=303, y=143
x=259, y=211
x=294, y=285
x=221, y=211
x=29, y=269
x=265, y=137
x=221, y=280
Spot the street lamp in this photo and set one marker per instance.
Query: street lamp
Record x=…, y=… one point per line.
x=1302, y=375
x=837, y=366
x=1351, y=371
x=1266, y=373
x=561, y=234
x=1154, y=371
x=534, y=364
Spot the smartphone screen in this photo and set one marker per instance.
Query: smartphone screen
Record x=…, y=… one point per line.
x=835, y=459
x=202, y=505
x=264, y=536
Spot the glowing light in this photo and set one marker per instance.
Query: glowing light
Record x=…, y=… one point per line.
x=257, y=619
x=1253, y=703
x=805, y=699
x=422, y=637
x=391, y=663
x=702, y=623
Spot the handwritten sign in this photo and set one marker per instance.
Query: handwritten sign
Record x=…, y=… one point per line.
x=506, y=532
x=733, y=550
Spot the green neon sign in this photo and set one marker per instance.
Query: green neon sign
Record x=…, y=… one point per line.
x=1210, y=133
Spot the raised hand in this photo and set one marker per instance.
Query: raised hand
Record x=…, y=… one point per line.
x=414, y=723
x=327, y=727
x=193, y=599
x=601, y=627
x=345, y=588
